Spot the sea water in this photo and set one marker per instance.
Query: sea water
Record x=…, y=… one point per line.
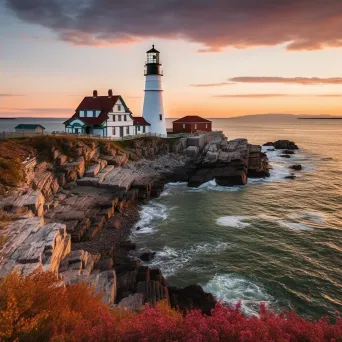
x=274, y=240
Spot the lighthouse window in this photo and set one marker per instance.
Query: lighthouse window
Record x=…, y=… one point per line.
x=161, y=117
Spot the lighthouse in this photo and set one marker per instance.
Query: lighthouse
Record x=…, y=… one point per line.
x=153, y=110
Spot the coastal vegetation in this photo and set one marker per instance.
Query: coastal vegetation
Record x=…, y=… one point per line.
x=40, y=308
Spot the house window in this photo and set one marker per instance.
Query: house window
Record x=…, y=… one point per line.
x=183, y=125
x=113, y=117
x=119, y=117
x=119, y=108
x=84, y=114
x=114, y=131
x=127, y=130
x=195, y=126
x=161, y=117
x=144, y=129
x=206, y=125
x=125, y=117
x=94, y=113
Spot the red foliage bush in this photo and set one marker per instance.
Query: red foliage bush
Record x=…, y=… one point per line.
x=37, y=308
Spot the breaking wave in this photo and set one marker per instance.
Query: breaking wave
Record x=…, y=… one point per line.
x=231, y=289
x=171, y=260
x=150, y=215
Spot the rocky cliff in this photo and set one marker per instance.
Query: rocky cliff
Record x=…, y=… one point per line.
x=77, y=201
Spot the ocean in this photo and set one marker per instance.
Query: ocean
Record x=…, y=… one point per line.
x=274, y=240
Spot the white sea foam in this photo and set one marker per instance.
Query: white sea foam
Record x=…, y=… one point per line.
x=171, y=260
x=212, y=186
x=233, y=221
x=314, y=217
x=293, y=225
x=150, y=215
x=231, y=289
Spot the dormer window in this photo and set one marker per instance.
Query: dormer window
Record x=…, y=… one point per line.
x=119, y=108
x=113, y=117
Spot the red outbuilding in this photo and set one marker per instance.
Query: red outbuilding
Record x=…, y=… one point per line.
x=191, y=124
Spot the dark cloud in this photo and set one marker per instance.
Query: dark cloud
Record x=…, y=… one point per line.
x=208, y=85
x=291, y=80
x=301, y=24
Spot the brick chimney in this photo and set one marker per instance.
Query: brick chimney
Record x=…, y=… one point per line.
x=94, y=93
x=110, y=93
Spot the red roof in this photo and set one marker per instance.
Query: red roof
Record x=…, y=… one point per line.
x=103, y=103
x=191, y=119
x=98, y=103
x=140, y=121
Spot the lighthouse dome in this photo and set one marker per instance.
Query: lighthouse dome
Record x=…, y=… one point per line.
x=152, y=50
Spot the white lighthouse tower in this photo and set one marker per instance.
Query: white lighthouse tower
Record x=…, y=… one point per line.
x=153, y=110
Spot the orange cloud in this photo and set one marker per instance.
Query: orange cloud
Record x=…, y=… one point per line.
x=256, y=96
x=208, y=85
x=291, y=80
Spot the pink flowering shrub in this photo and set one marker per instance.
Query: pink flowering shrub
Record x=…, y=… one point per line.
x=35, y=309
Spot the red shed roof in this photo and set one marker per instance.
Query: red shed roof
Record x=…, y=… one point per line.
x=191, y=119
x=140, y=121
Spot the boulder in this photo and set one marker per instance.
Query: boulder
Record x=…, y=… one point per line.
x=147, y=256
x=297, y=167
x=192, y=297
x=288, y=152
x=133, y=302
x=268, y=144
x=285, y=156
x=285, y=145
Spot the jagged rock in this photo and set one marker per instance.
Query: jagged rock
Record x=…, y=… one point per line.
x=105, y=264
x=28, y=242
x=133, y=302
x=147, y=256
x=288, y=152
x=192, y=151
x=197, y=141
x=192, y=297
x=268, y=144
x=32, y=200
x=152, y=291
x=285, y=145
x=284, y=156
x=290, y=177
x=297, y=167
x=93, y=170
x=61, y=159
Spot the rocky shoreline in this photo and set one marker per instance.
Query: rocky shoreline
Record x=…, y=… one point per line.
x=76, y=216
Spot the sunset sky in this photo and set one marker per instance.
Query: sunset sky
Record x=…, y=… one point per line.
x=220, y=58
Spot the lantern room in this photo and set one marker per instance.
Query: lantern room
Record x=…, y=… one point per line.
x=153, y=66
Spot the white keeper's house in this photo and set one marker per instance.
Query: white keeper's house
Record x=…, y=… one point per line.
x=106, y=116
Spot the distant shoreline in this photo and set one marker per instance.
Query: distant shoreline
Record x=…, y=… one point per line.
x=319, y=118
x=8, y=118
